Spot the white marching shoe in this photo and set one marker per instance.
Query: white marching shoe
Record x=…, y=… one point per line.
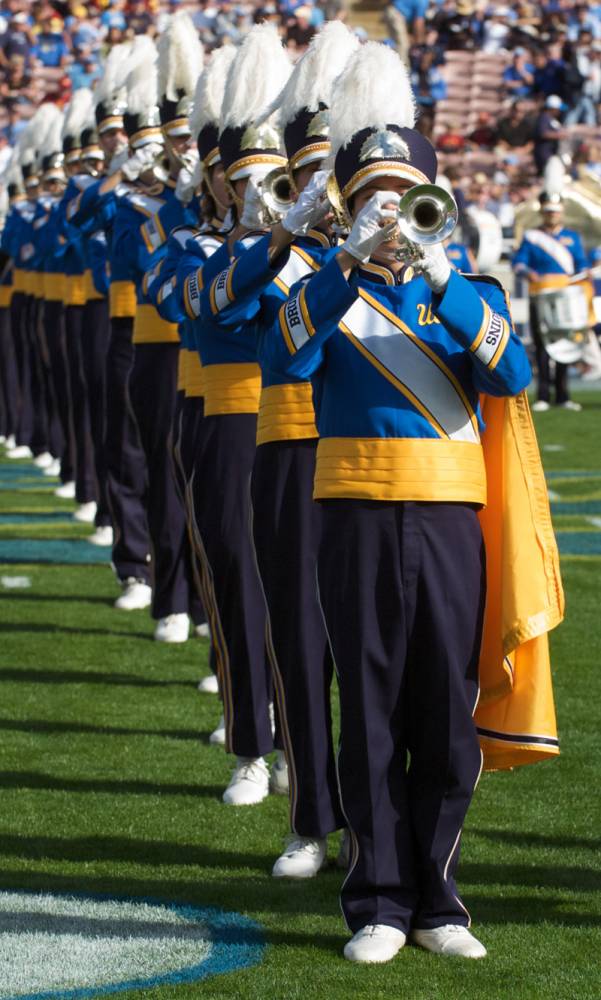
x=44, y=460
x=278, y=779
x=86, y=512
x=303, y=857
x=20, y=451
x=202, y=631
x=375, y=943
x=54, y=469
x=136, y=595
x=217, y=737
x=10, y=442
x=209, y=685
x=450, y=939
x=172, y=628
x=66, y=491
x=102, y=536
x=249, y=783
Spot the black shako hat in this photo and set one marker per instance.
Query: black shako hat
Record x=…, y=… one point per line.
x=382, y=152
x=243, y=147
x=306, y=137
x=108, y=114
x=175, y=115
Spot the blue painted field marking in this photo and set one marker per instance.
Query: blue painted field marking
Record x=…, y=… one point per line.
x=578, y=543
x=572, y=474
x=38, y=517
x=52, y=550
x=237, y=942
x=576, y=507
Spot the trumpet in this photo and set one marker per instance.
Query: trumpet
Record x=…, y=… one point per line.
x=277, y=194
x=426, y=214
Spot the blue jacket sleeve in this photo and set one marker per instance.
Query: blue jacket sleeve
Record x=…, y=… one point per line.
x=233, y=295
x=306, y=320
x=194, y=271
x=521, y=259
x=476, y=314
x=97, y=257
x=580, y=259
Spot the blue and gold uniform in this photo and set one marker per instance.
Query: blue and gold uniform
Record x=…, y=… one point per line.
x=548, y=257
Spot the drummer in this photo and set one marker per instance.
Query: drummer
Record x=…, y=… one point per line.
x=547, y=256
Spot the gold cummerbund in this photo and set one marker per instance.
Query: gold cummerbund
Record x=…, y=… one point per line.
x=37, y=284
x=19, y=280
x=234, y=388
x=27, y=281
x=400, y=469
x=182, y=361
x=91, y=293
x=75, y=292
x=55, y=287
x=122, y=300
x=195, y=385
x=286, y=413
x=6, y=294
x=150, y=328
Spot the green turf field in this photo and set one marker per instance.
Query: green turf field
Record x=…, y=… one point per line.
x=108, y=783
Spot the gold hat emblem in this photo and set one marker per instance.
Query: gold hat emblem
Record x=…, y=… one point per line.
x=319, y=124
x=384, y=145
x=260, y=137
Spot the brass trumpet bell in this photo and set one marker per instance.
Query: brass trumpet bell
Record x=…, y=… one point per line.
x=277, y=193
x=427, y=214
x=339, y=211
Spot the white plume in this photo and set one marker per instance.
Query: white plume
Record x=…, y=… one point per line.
x=313, y=76
x=554, y=178
x=373, y=90
x=256, y=76
x=142, y=80
x=51, y=141
x=208, y=97
x=78, y=112
x=181, y=57
x=111, y=85
x=46, y=120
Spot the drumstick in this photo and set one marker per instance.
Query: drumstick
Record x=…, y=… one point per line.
x=583, y=275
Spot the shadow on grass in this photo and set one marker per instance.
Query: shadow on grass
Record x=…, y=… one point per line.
x=519, y=838
x=51, y=728
x=29, y=676
x=49, y=628
x=46, y=782
x=62, y=598
x=264, y=897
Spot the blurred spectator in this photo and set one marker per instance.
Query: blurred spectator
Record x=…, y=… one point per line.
x=50, y=48
x=15, y=125
x=429, y=85
x=548, y=131
x=588, y=65
x=485, y=134
x=548, y=74
x=405, y=17
x=453, y=139
x=140, y=21
x=516, y=129
x=16, y=40
x=84, y=72
x=519, y=75
x=496, y=30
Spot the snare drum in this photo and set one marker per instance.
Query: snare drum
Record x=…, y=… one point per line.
x=563, y=318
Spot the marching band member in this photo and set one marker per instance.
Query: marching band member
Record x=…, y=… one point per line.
x=142, y=221
x=17, y=207
x=96, y=206
x=227, y=442
x=50, y=249
x=548, y=256
x=286, y=521
x=85, y=478
x=205, y=233
x=8, y=363
x=398, y=355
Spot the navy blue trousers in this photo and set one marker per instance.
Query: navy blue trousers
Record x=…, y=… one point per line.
x=94, y=346
x=85, y=477
x=225, y=451
x=402, y=587
x=19, y=309
x=153, y=392
x=9, y=375
x=54, y=328
x=287, y=530
x=188, y=417
x=125, y=460
x=50, y=434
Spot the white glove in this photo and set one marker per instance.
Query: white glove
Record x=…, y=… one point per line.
x=186, y=185
x=141, y=160
x=434, y=266
x=253, y=215
x=310, y=208
x=373, y=225
x=118, y=160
